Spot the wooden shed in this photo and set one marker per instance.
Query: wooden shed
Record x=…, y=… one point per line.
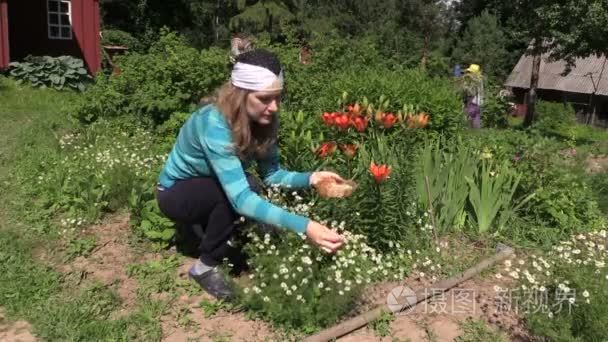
x=50, y=27
x=585, y=86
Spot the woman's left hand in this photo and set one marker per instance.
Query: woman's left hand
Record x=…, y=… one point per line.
x=318, y=176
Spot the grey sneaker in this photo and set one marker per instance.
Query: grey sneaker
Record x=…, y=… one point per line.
x=214, y=283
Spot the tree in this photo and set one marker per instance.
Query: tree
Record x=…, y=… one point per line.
x=561, y=29
x=580, y=30
x=564, y=29
x=262, y=16
x=483, y=42
x=427, y=19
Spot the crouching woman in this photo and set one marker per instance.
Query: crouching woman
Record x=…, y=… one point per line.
x=204, y=181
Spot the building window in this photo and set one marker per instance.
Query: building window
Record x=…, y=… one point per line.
x=59, y=19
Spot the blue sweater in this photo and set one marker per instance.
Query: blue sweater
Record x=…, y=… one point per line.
x=204, y=148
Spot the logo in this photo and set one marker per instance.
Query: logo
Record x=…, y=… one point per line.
x=401, y=299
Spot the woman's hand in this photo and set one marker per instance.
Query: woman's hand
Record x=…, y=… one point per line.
x=318, y=176
x=323, y=237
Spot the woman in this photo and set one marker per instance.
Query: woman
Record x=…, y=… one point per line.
x=203, y=180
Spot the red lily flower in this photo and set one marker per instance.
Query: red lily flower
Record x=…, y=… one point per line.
x=349, y=149
x=342, y=121
x=389, y=120
x=354, y=109
x=380, y=172
x=326, y=149
x=328, y=118
x=360, y=123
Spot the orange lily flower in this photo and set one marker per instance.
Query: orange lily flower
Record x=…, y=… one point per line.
x=378, y=117
x=326, y=149
x=389, y=120
x=349, y=149
x=354, y=109
x=380, y=172
x=418, y=121
x=360, y=123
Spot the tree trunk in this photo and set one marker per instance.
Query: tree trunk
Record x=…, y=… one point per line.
x=533, y=86
x=424, y=52
x=216, y=23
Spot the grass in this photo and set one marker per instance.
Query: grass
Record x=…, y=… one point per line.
x=479, y=331
x=515, y=121
x=57, y=307
x=382, y=324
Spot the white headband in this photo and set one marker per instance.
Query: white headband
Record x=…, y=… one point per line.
x=253, y=77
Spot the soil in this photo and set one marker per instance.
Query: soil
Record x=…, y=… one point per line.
x=439, y=319
x=185, y=319
x=597, y=164
x=19, y=331
x=109, y=260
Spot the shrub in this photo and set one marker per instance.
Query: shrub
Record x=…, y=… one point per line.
x=54, y=72
x=563, y=292
x=563, y=202
x=3, y=82
x=309, y=289
x=385, y=209
x=170, y=78
x=168, y=130
x=599, y=184
x=118, y=37
x=93, y=173
x=495, y=110
x=554, y=118
x=435, y=96
x=357, y=67
x=146, y=219
x=467, y=183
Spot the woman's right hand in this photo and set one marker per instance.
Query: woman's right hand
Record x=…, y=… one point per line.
x=323, y=237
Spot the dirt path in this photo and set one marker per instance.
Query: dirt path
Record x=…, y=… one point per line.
x=440, y=319
x=185, y=319
x=597, y=164
x=19, y=331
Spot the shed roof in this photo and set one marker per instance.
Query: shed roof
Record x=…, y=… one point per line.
x=579, y=80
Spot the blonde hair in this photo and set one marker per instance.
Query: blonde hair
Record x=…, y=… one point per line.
x=249, y=138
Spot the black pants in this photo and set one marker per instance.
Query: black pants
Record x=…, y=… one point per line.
x=203, y=201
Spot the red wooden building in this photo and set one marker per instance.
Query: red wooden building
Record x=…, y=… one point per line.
x=50, y=27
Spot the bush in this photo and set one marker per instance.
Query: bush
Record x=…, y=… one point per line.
x=118, y=37
x=3, y=82
x=54, y=72
x=554, y=118
x=385, y=209
x=300, y=287
x=563, y=292
x=468, y=187
x=93, y=173
x=563, y=201
x=495, y=110
x=356, y=66
x=599, y=184
x=436, y=96
x=171, y=77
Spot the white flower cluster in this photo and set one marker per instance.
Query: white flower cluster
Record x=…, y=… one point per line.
x=293, y=270
x=107, y=152
x=582, y=252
